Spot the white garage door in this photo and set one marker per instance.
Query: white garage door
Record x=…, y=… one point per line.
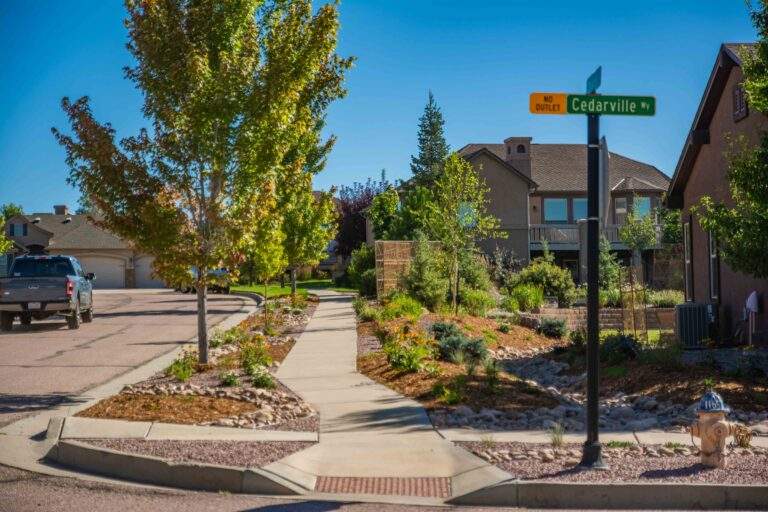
x=143, y=269
x=110, y=272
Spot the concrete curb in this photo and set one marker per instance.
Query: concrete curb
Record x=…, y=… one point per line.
x=157, y=471
x=516, y=493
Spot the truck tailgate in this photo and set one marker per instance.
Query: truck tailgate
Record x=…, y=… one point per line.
x=37, y=289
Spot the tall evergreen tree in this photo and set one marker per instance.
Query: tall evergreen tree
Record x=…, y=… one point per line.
x=433, y=149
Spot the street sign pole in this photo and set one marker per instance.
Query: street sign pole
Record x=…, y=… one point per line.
x=592, y=454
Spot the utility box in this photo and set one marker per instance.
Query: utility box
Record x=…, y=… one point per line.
x=692, y=324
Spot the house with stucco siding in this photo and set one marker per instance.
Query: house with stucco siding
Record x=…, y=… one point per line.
x=114, y=262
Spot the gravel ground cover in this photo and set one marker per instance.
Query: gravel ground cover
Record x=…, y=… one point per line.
x=658, y=464
x=227, y=453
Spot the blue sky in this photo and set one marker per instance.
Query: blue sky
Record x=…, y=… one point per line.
x=481, y=59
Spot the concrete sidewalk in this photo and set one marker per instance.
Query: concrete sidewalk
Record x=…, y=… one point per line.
x=366, y=429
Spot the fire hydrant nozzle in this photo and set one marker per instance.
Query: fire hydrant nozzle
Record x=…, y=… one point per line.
x=713, y=429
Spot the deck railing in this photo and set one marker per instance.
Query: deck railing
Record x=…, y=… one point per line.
x=569, y=233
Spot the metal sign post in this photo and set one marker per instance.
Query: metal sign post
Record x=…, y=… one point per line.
x=593, y=106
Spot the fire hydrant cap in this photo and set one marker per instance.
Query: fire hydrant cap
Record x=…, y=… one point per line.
x=712, y=402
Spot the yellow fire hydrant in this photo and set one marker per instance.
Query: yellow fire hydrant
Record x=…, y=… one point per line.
x=713, y=429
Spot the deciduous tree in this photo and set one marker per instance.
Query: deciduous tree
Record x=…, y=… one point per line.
x=229, y=89
x=459, y=215
x=9, y=210
x=638, y=233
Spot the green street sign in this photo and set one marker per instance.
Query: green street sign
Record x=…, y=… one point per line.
x=611, y=105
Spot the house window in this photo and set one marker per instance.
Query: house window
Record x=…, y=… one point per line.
x=688, y=261
x=579, y=208
x=620, y=210
x=11, y=230
x=740, y=109
x=714, y=268
x=520, y=148
x=642, y=205
x=556, y=209
x=24, y=229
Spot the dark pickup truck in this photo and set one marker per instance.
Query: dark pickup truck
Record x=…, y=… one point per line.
x=42, y=286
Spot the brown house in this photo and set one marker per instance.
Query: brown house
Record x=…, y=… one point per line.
x=702, y=170
x=539, y=191
x=115, y=263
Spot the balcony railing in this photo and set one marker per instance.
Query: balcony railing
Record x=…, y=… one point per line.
x=555, y=234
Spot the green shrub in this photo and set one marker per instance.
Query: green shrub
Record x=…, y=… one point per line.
x=491, y=370
x=253, y=355
x=424, y=280
x=406, y=358
x=477, y=302
x=509, y=304
x=183, y=367
x=504, y=328
x=447, y=394
x=553, y=280
x=618, y=348
x=450, y=344
x=361, y=270
x=473, y=272
x=665, y=298
x=260, y=377
x=529, y=297
x=475, y=352
x=442, y=330
x=365, y=311
x=578, y=337
x=401, y=305
x=552, y=327
x=610, y=298
x=234, y=335
x=229, y=379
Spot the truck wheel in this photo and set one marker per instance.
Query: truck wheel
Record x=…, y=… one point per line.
x=74, y=319
x=26, y=318
x=6, y=321
x=88, y=315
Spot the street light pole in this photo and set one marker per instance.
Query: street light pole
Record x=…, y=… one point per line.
x=592, y=455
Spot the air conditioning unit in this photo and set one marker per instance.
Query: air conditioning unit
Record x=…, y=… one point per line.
x=692, y=324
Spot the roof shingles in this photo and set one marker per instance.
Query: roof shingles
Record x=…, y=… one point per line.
x=75, y=232
x=562, y=167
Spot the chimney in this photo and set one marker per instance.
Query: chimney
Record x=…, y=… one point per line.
x=60, y=209
x=518, y=153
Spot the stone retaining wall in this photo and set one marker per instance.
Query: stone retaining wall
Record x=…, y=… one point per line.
x=610, y=318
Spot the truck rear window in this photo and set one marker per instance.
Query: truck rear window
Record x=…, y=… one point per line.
x=47, y=267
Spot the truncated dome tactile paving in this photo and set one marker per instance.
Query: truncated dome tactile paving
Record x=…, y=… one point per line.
x=388, y=486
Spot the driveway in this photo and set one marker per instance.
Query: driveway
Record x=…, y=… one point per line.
x=46, y=364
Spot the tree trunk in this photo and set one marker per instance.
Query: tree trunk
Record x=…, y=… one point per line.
x=202, y=327
x=266, y=312
x=455, y=284
x=293, y=281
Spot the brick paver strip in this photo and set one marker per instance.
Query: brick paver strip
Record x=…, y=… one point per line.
x=388, y=486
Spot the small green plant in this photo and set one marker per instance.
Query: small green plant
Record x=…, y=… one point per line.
x=400, y=306
x=365, y=311
x=529, y=297
x=578, y=337
x=446, y=394
x=261, y=378
x=183, y=367
x=406, y=358
x=619, y=444
x=491, y=369
x=556, y=434
x=433, y=370
x=490, y=336
x=253, y=355
x=477, y=302
x=615, y=349
x=665, y=298
x=673, y=445
x=442, y=330
x=229, y=379
x=504, y=328
x=509, y=304
x=552, y=327
x=709, y=383
x=487, y=441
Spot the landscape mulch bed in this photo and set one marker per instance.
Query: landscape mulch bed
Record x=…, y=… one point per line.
x=510, y=395
x=226, y=453
x=633, y=468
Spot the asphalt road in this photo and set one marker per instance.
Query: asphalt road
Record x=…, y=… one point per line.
x=46, y=364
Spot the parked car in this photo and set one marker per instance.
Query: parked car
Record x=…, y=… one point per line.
x=43, y=286
x=219, y=281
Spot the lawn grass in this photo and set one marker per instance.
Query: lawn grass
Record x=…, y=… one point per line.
x=275, y=290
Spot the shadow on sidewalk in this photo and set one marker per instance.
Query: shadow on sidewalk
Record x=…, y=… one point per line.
x=300, y=506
